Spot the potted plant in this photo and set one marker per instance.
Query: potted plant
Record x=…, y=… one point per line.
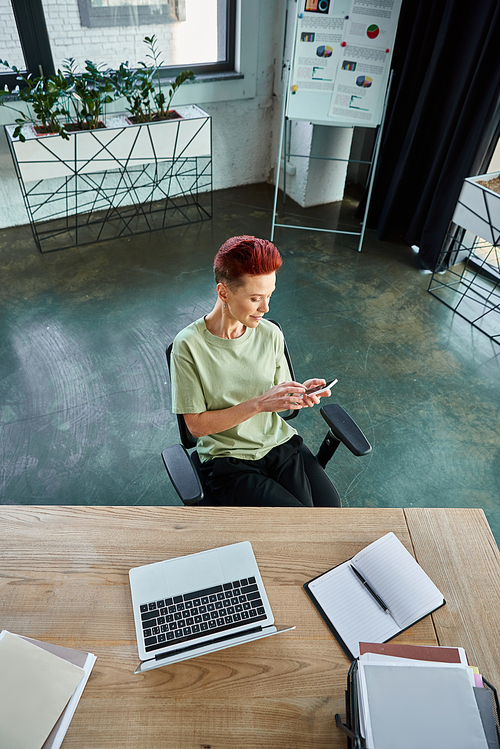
x=68, y=101
x=84, y=96
x=142, y=87
x=80, y=99
x=157, y=155
x=64, y=104
x=43, y=105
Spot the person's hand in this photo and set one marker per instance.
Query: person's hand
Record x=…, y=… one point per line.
x=284, y=397
x=314, y=398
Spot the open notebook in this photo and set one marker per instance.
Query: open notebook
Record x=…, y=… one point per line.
x=375, y=595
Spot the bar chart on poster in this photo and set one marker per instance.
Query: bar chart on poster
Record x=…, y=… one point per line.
x=341, y=60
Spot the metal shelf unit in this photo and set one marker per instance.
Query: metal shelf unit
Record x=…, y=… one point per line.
x=116, y=181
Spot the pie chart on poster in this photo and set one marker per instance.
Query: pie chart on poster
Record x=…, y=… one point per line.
x=372, y=31
x=364, y=81
x=324, y=51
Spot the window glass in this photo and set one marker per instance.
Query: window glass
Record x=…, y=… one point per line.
x=10, y=46
x=188, y=32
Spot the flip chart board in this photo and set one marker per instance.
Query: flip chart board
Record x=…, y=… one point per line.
x=342, y=52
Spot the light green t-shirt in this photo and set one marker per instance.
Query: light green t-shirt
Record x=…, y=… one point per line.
x=210, y=373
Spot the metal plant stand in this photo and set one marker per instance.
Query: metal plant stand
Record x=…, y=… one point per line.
x=471, y=288
x=470, y=283
x=116, y=181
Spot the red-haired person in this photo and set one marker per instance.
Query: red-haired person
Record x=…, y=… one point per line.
x=230, y=380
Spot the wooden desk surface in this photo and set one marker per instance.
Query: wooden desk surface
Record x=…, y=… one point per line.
x=64, y=579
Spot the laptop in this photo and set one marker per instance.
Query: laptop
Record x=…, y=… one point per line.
x=198, y=604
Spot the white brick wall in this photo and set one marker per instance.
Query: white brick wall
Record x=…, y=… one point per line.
x=10, y=47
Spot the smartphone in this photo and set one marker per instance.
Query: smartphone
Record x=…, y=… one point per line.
x=320, y=388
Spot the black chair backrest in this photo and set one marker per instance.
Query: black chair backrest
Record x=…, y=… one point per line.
x=187, y=438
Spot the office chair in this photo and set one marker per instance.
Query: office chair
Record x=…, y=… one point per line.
x=184, y=468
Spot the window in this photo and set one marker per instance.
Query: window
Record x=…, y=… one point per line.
x=23, y=39
x=199, y=34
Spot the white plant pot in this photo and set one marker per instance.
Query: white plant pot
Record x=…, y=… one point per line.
x=116, y=146
x=478, y=209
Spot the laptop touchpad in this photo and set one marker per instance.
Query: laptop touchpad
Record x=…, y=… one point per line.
x=193, y=572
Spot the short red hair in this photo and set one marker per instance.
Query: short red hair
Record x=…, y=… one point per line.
x=245, y=256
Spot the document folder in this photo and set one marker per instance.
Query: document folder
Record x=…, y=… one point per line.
x=487, y=702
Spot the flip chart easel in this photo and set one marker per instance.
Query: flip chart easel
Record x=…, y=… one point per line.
x=339, y=75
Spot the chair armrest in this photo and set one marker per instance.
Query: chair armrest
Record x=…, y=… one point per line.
x=182, y=474
x=345, y=429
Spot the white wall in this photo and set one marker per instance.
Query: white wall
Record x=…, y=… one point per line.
x=245, y=112
x=316, y=180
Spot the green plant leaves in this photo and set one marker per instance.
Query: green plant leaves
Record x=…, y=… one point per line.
x=81, y=97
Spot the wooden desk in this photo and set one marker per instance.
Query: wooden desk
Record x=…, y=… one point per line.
x=64, y=579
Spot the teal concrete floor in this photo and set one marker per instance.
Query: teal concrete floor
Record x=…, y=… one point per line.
x=85, y=399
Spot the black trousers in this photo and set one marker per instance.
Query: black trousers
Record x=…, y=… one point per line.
x=288, y=476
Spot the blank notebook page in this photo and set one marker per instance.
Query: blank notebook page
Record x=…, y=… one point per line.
x=354, y=613
x=398, y=579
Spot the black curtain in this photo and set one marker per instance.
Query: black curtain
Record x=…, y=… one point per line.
x=442, y=120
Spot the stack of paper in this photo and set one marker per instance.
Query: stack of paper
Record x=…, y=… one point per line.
x=40, y=685
x=418, y=697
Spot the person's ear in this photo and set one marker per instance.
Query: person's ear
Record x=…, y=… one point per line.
x=222, y=292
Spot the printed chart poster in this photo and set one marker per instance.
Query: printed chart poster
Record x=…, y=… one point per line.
x=317, y=47
x=373, y=22
x=319, y=31
x=360, y=85
x=362, y=73
x=341, y=60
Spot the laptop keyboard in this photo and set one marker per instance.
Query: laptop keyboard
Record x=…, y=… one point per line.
x=208, y=611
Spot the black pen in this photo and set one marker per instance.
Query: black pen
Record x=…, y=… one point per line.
x=370, y=590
